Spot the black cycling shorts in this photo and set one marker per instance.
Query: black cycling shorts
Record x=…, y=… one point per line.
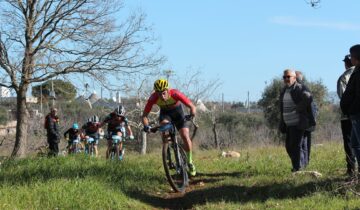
x=175, y=115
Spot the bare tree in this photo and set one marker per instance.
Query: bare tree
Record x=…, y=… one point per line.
x=44, y=39
x=194, y=86
x=197, y=88
x=143, y=90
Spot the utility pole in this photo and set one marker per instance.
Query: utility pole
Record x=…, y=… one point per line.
x=86, y=89
x=248, y=101
x=52, y=93
x=168, y=73
x=222, y=102
x=41, y=106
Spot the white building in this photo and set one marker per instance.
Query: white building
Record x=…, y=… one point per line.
x=4, y=92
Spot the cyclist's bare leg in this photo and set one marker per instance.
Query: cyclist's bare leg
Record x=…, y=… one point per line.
x=96, y=150
x=184, y=133
x=119, y=145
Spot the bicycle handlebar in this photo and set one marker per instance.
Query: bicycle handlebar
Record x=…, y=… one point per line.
x=166, y=127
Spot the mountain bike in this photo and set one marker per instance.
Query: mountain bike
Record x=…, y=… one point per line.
x=75, y=146
x=90, y=141
x=114, y=152
x=173, y=156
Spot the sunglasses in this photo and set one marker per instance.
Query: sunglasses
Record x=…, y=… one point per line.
x=286, y=77
x=161, y=92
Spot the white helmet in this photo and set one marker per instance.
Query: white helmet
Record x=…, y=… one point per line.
x=95, y=119
x=120, y=110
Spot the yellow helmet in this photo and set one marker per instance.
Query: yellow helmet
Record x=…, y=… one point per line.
x=161, y=85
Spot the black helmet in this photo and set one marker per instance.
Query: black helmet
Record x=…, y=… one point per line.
x=120, y=111
x=95, y=119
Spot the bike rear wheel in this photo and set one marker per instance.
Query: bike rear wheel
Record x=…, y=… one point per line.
x=174, y=162
x=74, y=148
x=77, y=148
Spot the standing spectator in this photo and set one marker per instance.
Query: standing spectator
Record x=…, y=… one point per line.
x=306, y=143
x=350, y=101
x=294, y=119
x=345, y=121
x=53, y=134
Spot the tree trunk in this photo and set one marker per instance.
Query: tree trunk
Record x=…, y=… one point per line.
x=215, y=136
x=22, y=117
x=143, y=142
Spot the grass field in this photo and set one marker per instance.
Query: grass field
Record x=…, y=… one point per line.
x=259, y=179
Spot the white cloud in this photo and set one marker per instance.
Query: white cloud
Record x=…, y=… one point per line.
x=293, y=21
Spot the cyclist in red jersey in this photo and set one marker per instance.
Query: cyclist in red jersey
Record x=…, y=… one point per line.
x=169, y=101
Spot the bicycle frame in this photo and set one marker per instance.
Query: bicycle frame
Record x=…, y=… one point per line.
x=170, y=127
x=114, y=150
x=90, y=141
x=75, y=146
x=174, y=157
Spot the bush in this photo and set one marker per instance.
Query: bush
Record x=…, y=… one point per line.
x=3, y=116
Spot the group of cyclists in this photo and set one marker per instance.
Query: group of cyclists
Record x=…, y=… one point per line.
x=117, y=125
x=169, y=101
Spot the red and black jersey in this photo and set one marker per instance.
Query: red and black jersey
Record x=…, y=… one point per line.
x=175, y=97
x=115, y=123
x=91, y=127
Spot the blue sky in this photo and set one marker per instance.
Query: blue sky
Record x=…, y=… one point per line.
x=245, y=44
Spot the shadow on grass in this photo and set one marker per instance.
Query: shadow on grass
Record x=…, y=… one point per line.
x=221, y=174
x=233, y=194
x=214, y=177
x=20, y=172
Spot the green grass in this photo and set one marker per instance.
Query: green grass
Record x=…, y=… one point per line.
x=259, y=179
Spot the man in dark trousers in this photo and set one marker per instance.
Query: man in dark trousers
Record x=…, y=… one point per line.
x=53, y=134
x=350, y=101
x=345, y=121
x=313, y=109
x=294, y=119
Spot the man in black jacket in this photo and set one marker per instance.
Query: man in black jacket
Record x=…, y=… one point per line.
x=295, y=117
x=345, y=120
x=350, y=101
x=53, y=133
x=306, y=144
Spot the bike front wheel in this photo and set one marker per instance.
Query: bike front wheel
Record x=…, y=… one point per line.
x=174, y=162
x=91, y=150
x=114, y=152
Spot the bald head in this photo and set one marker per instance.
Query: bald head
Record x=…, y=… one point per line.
x=299, y=76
